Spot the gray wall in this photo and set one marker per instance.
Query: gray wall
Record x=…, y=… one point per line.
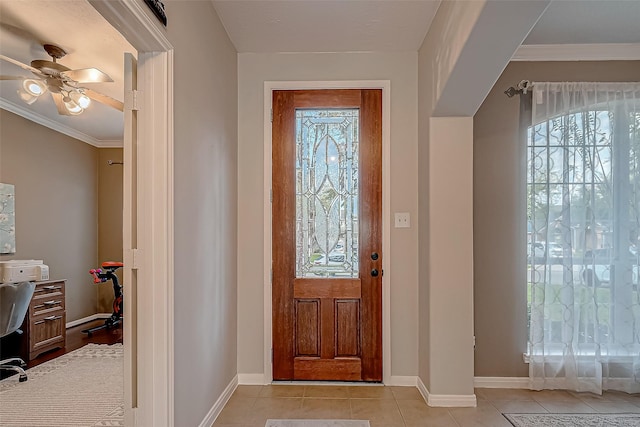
x=56, y=204
x=401, y=275
x=206, y=126
x=500, y=299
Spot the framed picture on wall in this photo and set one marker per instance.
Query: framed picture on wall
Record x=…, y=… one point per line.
x=7, y=219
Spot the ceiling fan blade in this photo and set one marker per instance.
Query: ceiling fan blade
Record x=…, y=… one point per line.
x=107, y=100
x=14, y=77
x=23, y=66
x=57, y=98
x=87, y=75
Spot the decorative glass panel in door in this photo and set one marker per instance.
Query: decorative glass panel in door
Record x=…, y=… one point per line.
x=327, y=192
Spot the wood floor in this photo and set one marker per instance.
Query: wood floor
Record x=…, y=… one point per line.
x=75, y=339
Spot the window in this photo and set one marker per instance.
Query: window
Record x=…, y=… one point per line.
x=583, y=208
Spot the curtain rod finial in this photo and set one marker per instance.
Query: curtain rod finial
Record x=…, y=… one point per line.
x=511, y=92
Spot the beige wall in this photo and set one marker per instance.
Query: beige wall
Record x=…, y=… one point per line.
x=109, y=219
x=205, y=180
x=56, y=204
x=499, y=212
x=456, y=70
x=445, y=329
x=401, y=70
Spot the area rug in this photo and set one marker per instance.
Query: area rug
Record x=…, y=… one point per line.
x=574, y=420
x=83, y=388
x=317, y=423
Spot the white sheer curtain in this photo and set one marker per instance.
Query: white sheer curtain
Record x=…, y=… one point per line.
x=583, y=205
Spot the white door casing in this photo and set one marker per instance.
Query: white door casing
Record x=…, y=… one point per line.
x=150, y=386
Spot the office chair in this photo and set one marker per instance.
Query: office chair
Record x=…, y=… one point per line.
x=14, y=303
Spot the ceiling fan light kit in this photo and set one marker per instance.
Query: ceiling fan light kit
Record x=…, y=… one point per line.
x=80, y=98
x=34, y=87
x=72, y=106
x=26, y=96
x=62, y=83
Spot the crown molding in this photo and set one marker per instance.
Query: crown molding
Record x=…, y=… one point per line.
x=578, y=52
x=58, y=127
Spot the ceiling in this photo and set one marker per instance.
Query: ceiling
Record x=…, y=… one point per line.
x=326, y=25
x=26, y=25
x=261, y=26
x=398, y=25
x=588, y=22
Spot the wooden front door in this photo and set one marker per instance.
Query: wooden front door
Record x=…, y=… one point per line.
x=327, y=235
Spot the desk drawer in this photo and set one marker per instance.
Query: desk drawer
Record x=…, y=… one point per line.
x=48, y=289
x=46, y=324
x=46, y=306
x=47, y=330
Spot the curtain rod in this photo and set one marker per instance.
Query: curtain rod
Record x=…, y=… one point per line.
x=520, y=89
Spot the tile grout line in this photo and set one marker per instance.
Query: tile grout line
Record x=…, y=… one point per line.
x=404, y=422
x=453, y=418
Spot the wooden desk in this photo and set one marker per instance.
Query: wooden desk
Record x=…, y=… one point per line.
x=44, y=325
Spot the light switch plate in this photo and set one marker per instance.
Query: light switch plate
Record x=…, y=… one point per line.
x=402, y=220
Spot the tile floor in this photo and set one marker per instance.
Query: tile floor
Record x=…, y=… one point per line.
x=404, y=406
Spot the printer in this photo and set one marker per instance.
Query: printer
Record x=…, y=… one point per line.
x=23, y=271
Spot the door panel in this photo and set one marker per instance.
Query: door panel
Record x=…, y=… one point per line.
x=307, y=321
x=327, y=207
x=130, y=239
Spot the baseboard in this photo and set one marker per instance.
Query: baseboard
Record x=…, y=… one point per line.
x=87, y=319
x=251, y=379
x=423, y=390
x=501, y=382
x=446, y=400
x=452, y=400
x=217, y=407
x=403, y=381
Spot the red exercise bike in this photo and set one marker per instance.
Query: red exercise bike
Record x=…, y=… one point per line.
x=101, y=275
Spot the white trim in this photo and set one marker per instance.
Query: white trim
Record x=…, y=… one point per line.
x=110, y=143
x=386, y=230
x=423, y=390
x=452, y=400
x=251, y=379
x=155, y=238
x=217, y=407
x=402, y=381
x=134, y=24
x=58, y=127
x=578, y=52
x=87, y=319
x=447, y=400
x=267, y=355
x=385, y=85
x=154, y=405
x=501, y=382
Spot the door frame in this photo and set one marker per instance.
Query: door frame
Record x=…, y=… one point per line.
x=149, y=390
x=385, y=86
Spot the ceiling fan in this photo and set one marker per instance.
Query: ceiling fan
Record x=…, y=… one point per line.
x=63, y=83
